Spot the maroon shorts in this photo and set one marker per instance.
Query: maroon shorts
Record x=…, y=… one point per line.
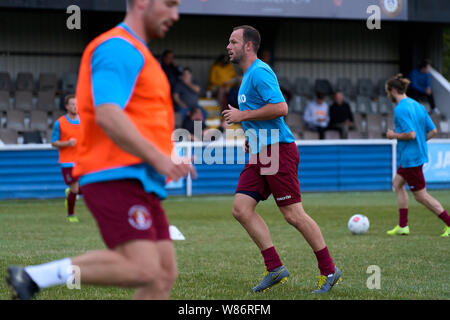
x=124, y=212
x=283, y=183
x=68, y=177
x=413, y=176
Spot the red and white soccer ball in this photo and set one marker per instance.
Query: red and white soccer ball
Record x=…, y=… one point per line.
x=358, y=224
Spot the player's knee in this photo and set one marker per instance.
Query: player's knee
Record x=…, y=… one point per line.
x=147, y=275
x=240, y=213
x=292, y=217
x=420, y=197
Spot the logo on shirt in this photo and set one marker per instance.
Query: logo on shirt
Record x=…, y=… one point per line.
x=242, y=98
x=284, y=198
x=139, y=217
x=391, y=7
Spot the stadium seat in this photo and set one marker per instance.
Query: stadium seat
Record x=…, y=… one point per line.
x=25, y=81
x=39, y=120
x=5, y=103
x=23, y=100
x=9, y=136
x=285, y=83
x=15, y=119
x=365, y=88
x=32, y=137
x=5, y=82
x=295, y=123
x=332, y=135
x=374, y=126
x=310, y=135
x=363, y=105
x=385, y=105
x=380, y=88
x=297, y=104
x=346, y=87
x=354, y=135
x=48, y=82
x=46, y=101
x=323, y=86
x=69, y=82
x=359, y=123
x=303, y=87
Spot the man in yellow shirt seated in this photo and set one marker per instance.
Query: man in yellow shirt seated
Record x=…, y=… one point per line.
x=222, y=77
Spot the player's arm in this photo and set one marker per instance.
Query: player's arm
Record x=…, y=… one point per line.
x=56, y=138
x=401, y=136
x=124, y=133
x=268, y=112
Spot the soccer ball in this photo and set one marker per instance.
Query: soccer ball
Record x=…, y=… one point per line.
x=358, y=224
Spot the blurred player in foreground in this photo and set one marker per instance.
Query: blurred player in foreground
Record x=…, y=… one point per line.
x=261, y=109
x=65, y=135
x=127, y=121
x=413, y=128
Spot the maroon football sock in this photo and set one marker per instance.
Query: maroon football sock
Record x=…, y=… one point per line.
x=445, y=217
x=325, y=263
x=71, y=198
x=271, y=258
x=403, y=217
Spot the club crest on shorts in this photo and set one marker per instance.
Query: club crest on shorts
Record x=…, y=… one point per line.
x=139, y=217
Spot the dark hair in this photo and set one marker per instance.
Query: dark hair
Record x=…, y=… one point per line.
x=424, y=63
x=250, y=34
x=320, y=95
x=399, y=83
x=187, y=69
x=165, y=53
x=67, y=98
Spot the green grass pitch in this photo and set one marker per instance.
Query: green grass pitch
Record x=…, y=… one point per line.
x=219, y=261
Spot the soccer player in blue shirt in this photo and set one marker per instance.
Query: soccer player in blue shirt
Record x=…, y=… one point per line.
x=413, y=128
x=261, y=111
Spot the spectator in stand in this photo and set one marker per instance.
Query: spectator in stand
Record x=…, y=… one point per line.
x=186, y=93
x=316, y=115
x=222, y=77
x=195, y=116
x=341, y=116
x=266, y=56
x=172, y=71
x=420, y=86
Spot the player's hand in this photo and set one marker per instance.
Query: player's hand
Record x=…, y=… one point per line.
x=390, y=134
x=175, y=168
x=72, y=142
x=232, y=115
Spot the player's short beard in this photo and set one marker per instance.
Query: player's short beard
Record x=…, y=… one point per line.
x=237, y=57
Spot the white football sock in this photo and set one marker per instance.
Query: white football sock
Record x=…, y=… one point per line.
x=51, y=274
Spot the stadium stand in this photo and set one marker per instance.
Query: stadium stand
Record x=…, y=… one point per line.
x=9, y=136
x=346, y=87
x=39, y=120
x=15, y=119
x=48, y=82
x=366, y=88
x=46, y=100
x=23, y=100
x=5, y=82
x=332, y=134
x=69, y=83
x=303, y=87
x=323, y=86
x=5, y=101
x=25, y=81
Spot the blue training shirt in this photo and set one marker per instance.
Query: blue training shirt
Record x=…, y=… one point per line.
x=116, y=65
x=260, y=87
x=410, y=116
